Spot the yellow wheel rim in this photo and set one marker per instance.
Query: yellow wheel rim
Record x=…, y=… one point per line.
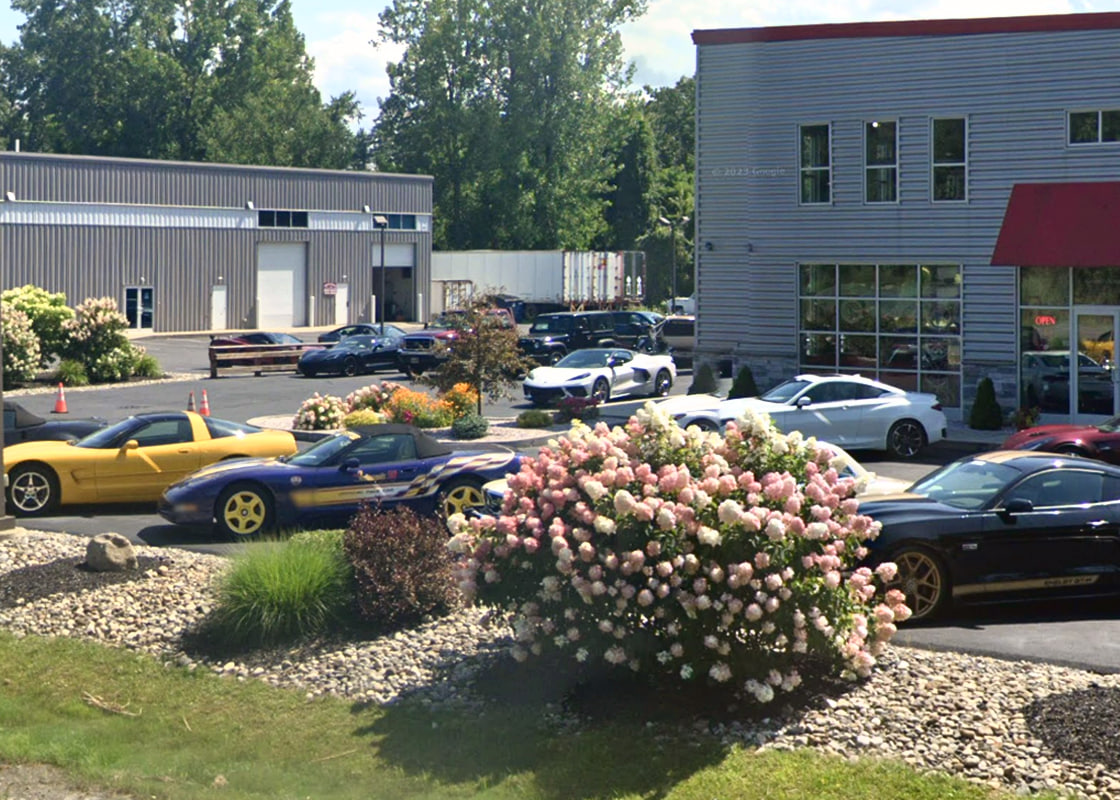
x=920, y=579
x=244, y=513
x=459, y=499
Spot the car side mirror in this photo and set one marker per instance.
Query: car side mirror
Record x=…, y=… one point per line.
x=350, y=465
x=131, y=444
x=1018, y=505
x=804, y=401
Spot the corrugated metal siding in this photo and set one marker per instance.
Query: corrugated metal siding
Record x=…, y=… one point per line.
x=34, y=176
x=1015, y=90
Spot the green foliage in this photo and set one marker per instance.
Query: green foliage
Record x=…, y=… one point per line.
x=1025, y=417
x=485, y=358
x=703, y=380
x=115, y=365
x=95, y=336
x=534, y=418
x=47, y=312
x=146, y=366
x=281, y=592
x=743, y=385
x=363, y=416
x=21, y=346
x=72, y=373
x=472, y=426
x=986, y=414
x=401, y=565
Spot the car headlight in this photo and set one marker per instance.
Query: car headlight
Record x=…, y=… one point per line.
x=581, y=377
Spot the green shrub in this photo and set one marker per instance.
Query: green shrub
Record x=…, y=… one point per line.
x=363, y=416
x=986, y=414
x=471, y=426
x=534, y=418
x=21, y=346
x=115, y=365
x=95, y=336
x=72, y=373
x=47, y=313
x=703, y=380
x=401, y=565
x=146, y=366
x=281, y=592
x=743, y=385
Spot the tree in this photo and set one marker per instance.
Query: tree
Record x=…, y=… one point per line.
x=485, y=356
x=632, y=151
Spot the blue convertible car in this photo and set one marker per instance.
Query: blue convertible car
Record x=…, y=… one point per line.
x=326, y=484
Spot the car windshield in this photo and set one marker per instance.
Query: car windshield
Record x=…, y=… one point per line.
x=324, y=450
x=447, y=320
x=551, y=325
x=966, y=484
x=221, y=428
x=355, y=343
x=582, y=359
x=784, y=392
x=106, y=436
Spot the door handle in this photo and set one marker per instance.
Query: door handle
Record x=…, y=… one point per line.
x=1097, y=524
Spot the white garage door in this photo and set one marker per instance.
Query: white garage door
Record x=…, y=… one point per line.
x=281, y=285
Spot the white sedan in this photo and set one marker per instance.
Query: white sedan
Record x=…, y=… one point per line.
x=602, y=373
x=855, y=412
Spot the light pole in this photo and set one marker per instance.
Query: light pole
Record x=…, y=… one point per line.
x=673, y=255
x=381, y=223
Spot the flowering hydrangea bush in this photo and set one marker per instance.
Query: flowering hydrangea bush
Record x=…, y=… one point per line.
x=375, y=397
x=47, y=311
x=320, y=413
x=95, y=337
x=686, y=553
x=21, y=346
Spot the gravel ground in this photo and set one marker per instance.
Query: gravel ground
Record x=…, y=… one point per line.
x=1022, y=727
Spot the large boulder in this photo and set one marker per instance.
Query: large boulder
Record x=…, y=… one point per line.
x=110, y=552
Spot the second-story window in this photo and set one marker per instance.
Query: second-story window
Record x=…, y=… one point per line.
x=949, y=150
x=816, y=164
x=1094, y=127
x=269, y=218
x=881, y=162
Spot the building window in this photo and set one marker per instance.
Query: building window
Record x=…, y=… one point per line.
x=402, y=222
x=881, y=162
x=900, y=323
x=1094, y=127
x=816, y=164
x=949, y=150
x=281, y=219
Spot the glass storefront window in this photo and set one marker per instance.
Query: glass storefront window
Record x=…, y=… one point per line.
x=898, y=316
x=899, y=353
x=818, y=349
x=946, y=387
x=1043, y=329
x=907, y=381
x=1043, y=286
x=857, y=315
x=898, y=280
x=818, y=280
x=818, y=315
x=941, y=281
x=941, y=316
x=857, y=280
x=859, y=352
x=941, y=354
x=1098, y=286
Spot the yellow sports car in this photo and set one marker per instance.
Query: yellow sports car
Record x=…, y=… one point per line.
x=132, y=461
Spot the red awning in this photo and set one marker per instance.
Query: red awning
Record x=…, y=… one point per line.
x=1060, y=225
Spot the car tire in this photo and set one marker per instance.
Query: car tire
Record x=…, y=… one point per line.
x=459, y=495
x=662, y=383
x=308, y=373
x=922, y=577
x=554, y=357
x=244, y=511
x=33, y=490
x=350, y=367
x=601, y=390
x=704, y=424
x=906, y=438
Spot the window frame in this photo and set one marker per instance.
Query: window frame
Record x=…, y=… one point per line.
x=934, y=163
x=802, y=169
x=1100, y=112
x=867, y=123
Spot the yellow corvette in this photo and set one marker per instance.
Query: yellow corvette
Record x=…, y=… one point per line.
x=132, y=461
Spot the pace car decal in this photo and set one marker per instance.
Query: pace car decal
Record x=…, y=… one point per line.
x=426, y=484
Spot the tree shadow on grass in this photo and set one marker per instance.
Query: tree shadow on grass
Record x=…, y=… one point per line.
x=575, y=733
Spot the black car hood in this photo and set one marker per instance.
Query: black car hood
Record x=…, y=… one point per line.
x=903, y=507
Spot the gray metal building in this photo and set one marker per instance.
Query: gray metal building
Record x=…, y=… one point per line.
x=190, y=247
x=927, y=202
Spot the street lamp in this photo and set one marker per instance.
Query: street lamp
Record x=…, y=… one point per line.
x=673, y=254
x=381, y=223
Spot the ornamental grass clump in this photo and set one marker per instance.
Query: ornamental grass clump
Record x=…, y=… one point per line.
x=684, y=553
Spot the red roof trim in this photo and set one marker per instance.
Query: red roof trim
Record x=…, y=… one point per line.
x=1041, y=23
x=1060, y=225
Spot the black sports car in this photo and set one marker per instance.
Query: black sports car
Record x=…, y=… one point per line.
x=20, y=425
x=359, y=329
x=352, y=355
x=1005, y=525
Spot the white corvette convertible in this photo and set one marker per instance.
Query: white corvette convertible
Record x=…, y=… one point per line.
x=602, y=373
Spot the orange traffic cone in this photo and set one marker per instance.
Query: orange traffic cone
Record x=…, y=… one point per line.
x=60, y=402
x=204, y=409
x=190, y=402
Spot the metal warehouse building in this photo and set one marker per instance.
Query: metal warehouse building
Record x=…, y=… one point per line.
x=190, y=247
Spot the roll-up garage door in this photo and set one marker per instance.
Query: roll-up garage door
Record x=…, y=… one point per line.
x=281, y=285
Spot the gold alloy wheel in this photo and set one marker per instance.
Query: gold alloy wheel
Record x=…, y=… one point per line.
x=921, y=579
x=244, y=512
x=460, y=497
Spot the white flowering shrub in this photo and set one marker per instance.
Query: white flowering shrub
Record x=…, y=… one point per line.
x=21, y=346
x=116, y=365
x=726, y=558
x=374, y=397
x=320, y=413
x=47, y=312
x=95, y=337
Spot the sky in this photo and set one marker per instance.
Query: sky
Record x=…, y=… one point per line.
x=339, y=33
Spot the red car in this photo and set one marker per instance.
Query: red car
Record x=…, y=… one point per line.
x=427, y=349
x=1095, y=441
